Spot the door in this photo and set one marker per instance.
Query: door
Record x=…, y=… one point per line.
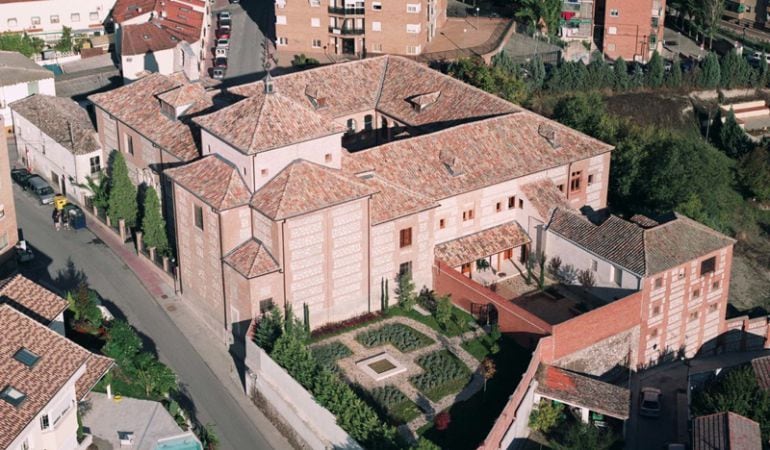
x=63, y=185
x=349, y=46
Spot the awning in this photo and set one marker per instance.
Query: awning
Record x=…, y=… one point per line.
x=482, y=244
x=579, y=390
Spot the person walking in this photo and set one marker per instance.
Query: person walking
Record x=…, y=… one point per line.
x=57, y=219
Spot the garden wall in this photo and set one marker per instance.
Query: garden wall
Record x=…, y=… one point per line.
x=289, y=406
x=744, y=334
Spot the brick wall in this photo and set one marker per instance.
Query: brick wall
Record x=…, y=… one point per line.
x=627, y=33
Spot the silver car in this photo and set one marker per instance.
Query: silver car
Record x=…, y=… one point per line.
x=41, y=189
x=649, y=402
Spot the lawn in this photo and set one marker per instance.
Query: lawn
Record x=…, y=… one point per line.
x=121, y=385
x=404, y=338
x=479, y=347
x=473, y=418
x=460, y=323
x=444, y=375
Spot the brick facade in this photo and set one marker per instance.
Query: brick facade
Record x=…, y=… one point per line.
x=632, y=29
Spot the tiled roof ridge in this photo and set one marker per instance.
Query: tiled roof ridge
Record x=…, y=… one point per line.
x=261, y=249
x=702, y=227
x=257, y=119
x=382, y=81
x=233, y=173
x=395, y=185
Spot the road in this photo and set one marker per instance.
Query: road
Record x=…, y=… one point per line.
x=125, y=296
x=244, y=60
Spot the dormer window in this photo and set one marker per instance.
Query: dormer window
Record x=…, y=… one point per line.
x=13, y=396
x=423, y=101
x=452, y=163
x=548, y=132
x=26, y=357
x=316, y=97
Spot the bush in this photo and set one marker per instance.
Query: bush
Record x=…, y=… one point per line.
x=268, y=330
x=554, y=266
x=404, y=338
x=395, y=404
x=444, y=374
x=304, y=62
x=345, y=325
x=586, y=278
x=443, y=312
x=328, y=354
x=546, y=415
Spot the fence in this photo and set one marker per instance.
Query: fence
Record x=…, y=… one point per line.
x=289, y=406
x=744, y=334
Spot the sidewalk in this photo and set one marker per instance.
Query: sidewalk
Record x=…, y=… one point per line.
x=189, y=323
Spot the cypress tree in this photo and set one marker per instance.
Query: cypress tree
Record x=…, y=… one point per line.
x=122, y=203
x=621, y=74
x=762, y=75
x=537, y=72
x=153, y=225
x=674, y=78
x=710, y=73
x=655, y=71
x=732, y=139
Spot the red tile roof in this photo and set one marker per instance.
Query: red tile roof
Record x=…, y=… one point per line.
x=544, y=195
x=138, y=106
x=59, y=360
x=128, y=9
x=251, y=259
x=394, y=200
x=266, y=121
x=62, y=120
x=304, y=187
x=725, y=431
x=482, y=244
x=31, y=299
x=761, y=368
x=141, y=38
x=579, y=390
x=96, y=367
x=214, y=180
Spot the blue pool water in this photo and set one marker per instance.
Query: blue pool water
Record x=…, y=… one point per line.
x=55, y=68
x=179, y=443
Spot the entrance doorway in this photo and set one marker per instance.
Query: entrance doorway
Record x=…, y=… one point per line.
x=348, y=46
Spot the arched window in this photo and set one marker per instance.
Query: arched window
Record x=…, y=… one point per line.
x=351, y=126
x=384, y=122
x=368, y=119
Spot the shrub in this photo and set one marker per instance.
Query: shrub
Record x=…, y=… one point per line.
x=268, y=330
x=444, y=374
x=328, y=354
x=554, y=266
x=546, y=415
x=404, y=338
x=443, y=312
x=405, y=292
x=586, y=278
x=395, y=404
x=345, y=325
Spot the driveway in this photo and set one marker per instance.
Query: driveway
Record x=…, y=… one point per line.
x=62, y=258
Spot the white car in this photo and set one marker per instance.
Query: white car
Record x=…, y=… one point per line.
x=220, y=52
x=223, y=43
x=649, y=402
x=224, y=15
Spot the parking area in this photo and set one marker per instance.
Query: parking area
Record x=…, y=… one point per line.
x=244, y=56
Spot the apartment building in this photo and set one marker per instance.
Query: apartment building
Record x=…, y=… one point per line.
x=747, y=12
x=20, y=77
x=630, y=29
x=357, y=27
x=45, y=19
x=163, y=36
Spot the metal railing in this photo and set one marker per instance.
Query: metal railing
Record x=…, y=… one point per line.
x=346, y=11
x=346, y=31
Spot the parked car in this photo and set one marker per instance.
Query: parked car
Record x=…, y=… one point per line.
x=220, y=52
x=218, y=73
x=220, y=63
x=649, y=402
x=21, y=176
x=223, y=43
x=41, y=189
x=223, y=33
x=235, y=2
x=225, y=23
x=224, y=15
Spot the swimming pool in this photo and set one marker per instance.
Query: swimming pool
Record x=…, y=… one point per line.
x=55, y=68
x=185, y=441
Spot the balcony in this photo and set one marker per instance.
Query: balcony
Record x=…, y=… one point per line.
x=570, y=6
x=345, y=11
x=347, y=31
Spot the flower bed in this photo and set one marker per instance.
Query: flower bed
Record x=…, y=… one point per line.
x=394, y=404
x=404, y=338
x=328, y=354
x=444, y=374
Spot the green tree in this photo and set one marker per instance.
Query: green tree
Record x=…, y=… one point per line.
x=537, y=73
x=123, y=344
x=65, y=43
x=709, y=15
x=122, y=202
x=581, y=436
x=154, y=376
x=583, y=112
x=208, y=437
x=294, y=356
x=735, y=71
x=532, y=11
x=600, y=74
x=546, y=416
x=22, y=43
x=405, y=291
x=497, y=79
x=732, y=139
x=674, y=77
x=83, y=305
x=424, y=444
x=99, y=188
x=710, y=73
x=754, y=173
x=153, y=225
x=762, y=73
x=621, y=74
x=268, y=330
x=655, y=71
x=444, y=311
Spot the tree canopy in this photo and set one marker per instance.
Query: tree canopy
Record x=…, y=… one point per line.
x=153, y=225
x=122, y=192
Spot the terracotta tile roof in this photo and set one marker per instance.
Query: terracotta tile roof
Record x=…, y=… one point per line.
x=394, y=200
x=31, y=299
x=16, y=68
x=214, y=180
x=137, y=105
x=59, y=360
x=579, y=390
x=489, y=152
x=725, y=431
x=138, y=39
x=482, y=244
x=303, y=187
x=128, y=9
x=186, y=94
x=96, y=367
x=266, y=121
x=761, y=368
x=643, y=251
x=544, y=195
x=251, y=259
x=62, y=120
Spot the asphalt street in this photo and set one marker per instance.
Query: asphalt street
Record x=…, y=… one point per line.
x=245, y=54
x=125, y=296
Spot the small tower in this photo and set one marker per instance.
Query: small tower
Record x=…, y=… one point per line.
x=267, y=63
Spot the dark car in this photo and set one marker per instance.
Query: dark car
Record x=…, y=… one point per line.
x=220, y=63
x=223, y=33
x=21, y=176
x=225, y=22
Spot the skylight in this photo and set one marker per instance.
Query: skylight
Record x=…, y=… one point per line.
x=13, y=396
x=26, y=357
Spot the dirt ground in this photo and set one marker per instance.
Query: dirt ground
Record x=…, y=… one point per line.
x=666, y=110
x=750, y=283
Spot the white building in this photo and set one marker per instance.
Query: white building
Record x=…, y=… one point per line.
x=20, y=77
x=56, y=139
x=46, y=18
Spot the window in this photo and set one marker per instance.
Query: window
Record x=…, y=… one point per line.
x=441, y=224
x=614, y=13
x=33, y=87
x=561, y=187
x=590, y=180
x=199, y=217
x=2, y=211
x=714, y=307
x=413, y=49
x=328, y=157
x=594, y=265
x=129, y=144
x=708, y=266
x=466, y=269
x=44, y=422
x=26, y=357
x=521, y=204
x=693, y=316
x=264, y=172
x=25, y=444
x=368, y=120
x=35, y=20
x=715, y=285
x=280, y=20
x=377, y=6
x=12, y=22
x=656, y=310
x=13, y=396
x=376, y=47
x=405, y=269
x=405, y=237
x=377, y=26
x=315, y=22
x=316, y=43
x=413, y=8
x=574, y=182
x=54, y=18
x=75, y=17
x=617, y=276
x=696, y=293
x=93, y=16
x=511, y=202
x=351, y=126
x=658, y=282
x=282, y=41
x=612, y=30
x=95, y=164
x=413, y=28
x=498, y=206
x=654, y=333
x=3, y=240
x=315, y=3
x=467, y=215
x=680, y=274
x=265, y=305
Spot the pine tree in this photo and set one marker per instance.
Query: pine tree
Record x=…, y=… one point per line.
x=268, y=330
x=537, y=72
x=655, y=71
x=674, y=78
x=732, y=139
x=754, y=173
x=710, y=74
x=621, y=75
x=406, y=294
x=153, y=225
x=762, y=75
x=122, y=204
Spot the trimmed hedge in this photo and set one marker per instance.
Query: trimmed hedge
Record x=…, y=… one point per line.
x=395, y=404
x=444, y=374
x=328, y=354
x=404, y=338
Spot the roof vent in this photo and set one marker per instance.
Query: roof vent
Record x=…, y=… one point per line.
x=368, y=175
x=316, y=97
x=452, y=163
x=548, y=132
x=423, y=101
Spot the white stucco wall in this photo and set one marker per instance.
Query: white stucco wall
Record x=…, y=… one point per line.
x=24, y=11
x=161, y=62
x=13, y=92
